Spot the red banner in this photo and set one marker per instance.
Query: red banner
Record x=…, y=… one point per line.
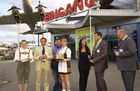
x=69, y=9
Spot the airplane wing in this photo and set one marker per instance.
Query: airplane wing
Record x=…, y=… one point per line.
x=25, y=18
x=34, y=18
x=7, y=19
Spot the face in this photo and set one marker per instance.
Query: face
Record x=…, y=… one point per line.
x=119, y=35
x=96, y=37
x=84, y=42
x=23, y=44
x=43, y=42
x=63, y=42
x=58, y=42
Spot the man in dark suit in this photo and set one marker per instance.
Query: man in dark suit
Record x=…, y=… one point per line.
x=99, y=59
x=126, y=59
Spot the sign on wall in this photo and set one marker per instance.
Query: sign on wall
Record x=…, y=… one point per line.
x=84, y=33
x=69, y=9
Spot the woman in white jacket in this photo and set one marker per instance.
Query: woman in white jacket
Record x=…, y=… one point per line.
x=64, y=67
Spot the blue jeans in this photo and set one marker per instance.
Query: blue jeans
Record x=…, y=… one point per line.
x=56, y=76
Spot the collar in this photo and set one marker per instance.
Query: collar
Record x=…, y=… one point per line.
x=58, y=47
x=99, y=40
x=125, y=37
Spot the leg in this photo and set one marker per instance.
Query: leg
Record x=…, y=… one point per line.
x=46, y=81
x=55, y=79
x=26, y=76
x=128, y=79
x=83, y=80
x=59, y=83
x=20, y=87
x=63, y=81
x=25, y=87
x=67, y=81
x=56, y=76
x=100, y=82
x=38, y=80
x=58, y=79
x=20, y=76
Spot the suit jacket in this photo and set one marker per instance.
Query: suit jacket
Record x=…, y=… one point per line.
x=38, y=52
x=99, y=56
x=127, y=61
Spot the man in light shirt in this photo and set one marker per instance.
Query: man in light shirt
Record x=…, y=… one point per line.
x=23, y=56
x=42, y=55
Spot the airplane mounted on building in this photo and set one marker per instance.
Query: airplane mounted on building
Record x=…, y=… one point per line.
x=29, y=17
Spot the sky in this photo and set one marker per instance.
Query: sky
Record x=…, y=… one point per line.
x=9, y=32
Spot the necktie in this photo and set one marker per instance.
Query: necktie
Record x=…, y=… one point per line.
x=43, y=50
x=96, y=45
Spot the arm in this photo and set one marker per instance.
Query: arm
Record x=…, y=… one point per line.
x=31, y=56
x=68, y=52
x=16, y=58
x=36, y=55
x=50, y=55
x=78, y=54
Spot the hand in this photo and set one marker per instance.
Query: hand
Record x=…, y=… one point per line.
x=92, y=61
x=117, y=53
x=89, y=57
x=29, y=59
x=64, y=59
x=18, y=61
x=41, y=57
x=44, y=56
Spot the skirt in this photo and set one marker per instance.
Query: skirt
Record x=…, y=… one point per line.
x=64, y=67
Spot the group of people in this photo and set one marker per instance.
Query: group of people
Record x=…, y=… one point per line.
x=60, y=64
x=58, y=59
x=126, y=56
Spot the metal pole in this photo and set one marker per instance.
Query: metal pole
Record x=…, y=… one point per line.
x=90, y=34
x=38, y=39
x=138, y=4
x=18, y=34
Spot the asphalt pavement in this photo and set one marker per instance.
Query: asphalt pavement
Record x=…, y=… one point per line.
x=112, y=77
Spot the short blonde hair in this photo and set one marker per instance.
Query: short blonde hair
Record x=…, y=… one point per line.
x=123, y=31
x=64, y=39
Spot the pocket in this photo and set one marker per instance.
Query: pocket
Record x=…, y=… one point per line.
x=38, y=66
x=47, y=65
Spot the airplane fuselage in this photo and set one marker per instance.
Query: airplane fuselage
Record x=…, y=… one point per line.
x=27, y=6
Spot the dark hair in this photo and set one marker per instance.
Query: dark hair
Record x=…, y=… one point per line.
x=23, y=41
x=64, y=39
x=43, y=38
x=80, y=46
x=99, y=34
x=57, y=38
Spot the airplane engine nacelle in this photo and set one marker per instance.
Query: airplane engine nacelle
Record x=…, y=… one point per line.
x=15, y=13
